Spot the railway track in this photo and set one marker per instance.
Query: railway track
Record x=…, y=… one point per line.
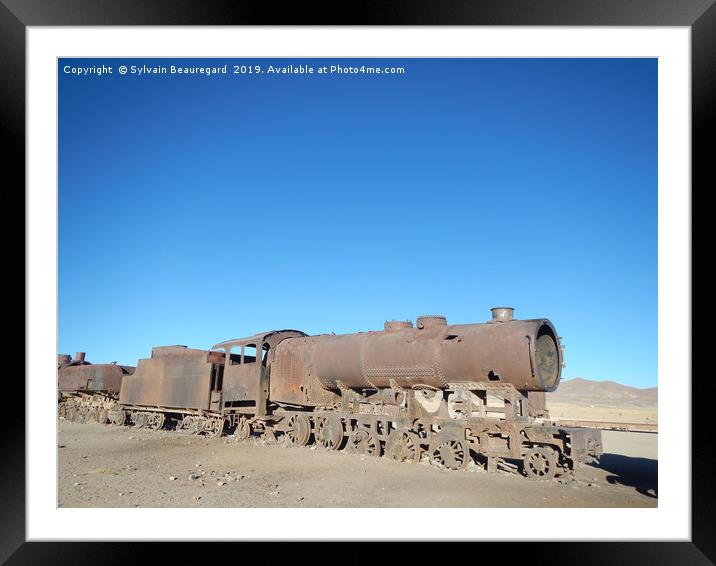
x=608, y=425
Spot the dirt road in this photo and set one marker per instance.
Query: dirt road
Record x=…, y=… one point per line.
x=105, y=466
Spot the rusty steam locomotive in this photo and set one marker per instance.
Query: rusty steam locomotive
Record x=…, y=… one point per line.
x=452, y=393
x=88, y=392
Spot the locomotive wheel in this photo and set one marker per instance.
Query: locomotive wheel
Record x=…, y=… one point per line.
x=118, y=418
x=62, y=411
x=450, y=452
x=243, y=429
x=92, y=415
x=298, y=430
x=71, y=414
x=193, y=424
x=139, y=419
x=156, y=421
x=329, y=432
x=403, y=446
x=540, y=463
x=214, y=426
x=197, y=425
x=363, y=442
x=185, y=423
x=102, y=416
x=82, y=415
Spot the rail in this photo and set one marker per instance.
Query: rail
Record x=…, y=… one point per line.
x=608, y=425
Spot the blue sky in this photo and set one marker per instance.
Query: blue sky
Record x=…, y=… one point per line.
x=195, y=208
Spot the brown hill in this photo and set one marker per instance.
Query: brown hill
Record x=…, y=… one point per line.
x=586, y=393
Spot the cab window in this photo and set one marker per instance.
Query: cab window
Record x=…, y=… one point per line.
x=250, y=354
x=235, y=357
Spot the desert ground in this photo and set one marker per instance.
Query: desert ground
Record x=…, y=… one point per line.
x=637, y=415
x=107, y=466
x=583, y=399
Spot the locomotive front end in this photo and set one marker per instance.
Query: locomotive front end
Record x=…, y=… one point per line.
x=525, y=353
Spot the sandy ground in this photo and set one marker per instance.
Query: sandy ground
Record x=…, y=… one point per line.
x=602, y=413
x=105, y=466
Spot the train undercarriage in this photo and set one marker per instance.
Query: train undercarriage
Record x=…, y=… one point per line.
x=87, y=407
x=451, y=429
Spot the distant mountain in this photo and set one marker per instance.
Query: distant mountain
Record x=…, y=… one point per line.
x=585, y=392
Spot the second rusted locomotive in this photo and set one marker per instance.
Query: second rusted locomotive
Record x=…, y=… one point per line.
x=88, y=392
x=452, y=393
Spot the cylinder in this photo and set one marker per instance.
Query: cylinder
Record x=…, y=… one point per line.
x=524, y=353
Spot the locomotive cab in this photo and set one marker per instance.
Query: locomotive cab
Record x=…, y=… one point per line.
x=245, y=383
x=245, y=377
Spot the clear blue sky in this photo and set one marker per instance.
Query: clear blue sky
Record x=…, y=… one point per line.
x=194, y=209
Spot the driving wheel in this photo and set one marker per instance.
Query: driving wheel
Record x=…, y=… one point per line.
x=403, y=446
x=329, y=432
x=298, y=430
x=363, y=442
x=450, y=452
x=540, y=463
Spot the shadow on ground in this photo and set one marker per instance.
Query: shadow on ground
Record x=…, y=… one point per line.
x=639, y=473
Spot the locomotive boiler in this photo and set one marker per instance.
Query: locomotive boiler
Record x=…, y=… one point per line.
x=457, y=395
x=88, y=392
x=524, y=354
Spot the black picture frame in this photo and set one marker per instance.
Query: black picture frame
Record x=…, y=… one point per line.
x=699, y=15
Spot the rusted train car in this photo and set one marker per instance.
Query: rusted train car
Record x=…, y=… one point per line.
x=88, y=392
x=200, y=391
x=452, y=393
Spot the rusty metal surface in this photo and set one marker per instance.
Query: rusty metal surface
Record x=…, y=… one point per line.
x=584, y=443
x=246, y=373
x=502, y=314
x=174, y=376
x=524, y=353
x=538, y=405
x=390, y=325
x=270, y=337
x=81, y=376
x=292, y=378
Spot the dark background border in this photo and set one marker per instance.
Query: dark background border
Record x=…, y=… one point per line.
x=700, y=15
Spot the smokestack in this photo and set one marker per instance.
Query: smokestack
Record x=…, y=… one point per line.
x=502, y=314
x=80, y=357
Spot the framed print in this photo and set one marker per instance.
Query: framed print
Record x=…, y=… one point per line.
x=224, y=205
